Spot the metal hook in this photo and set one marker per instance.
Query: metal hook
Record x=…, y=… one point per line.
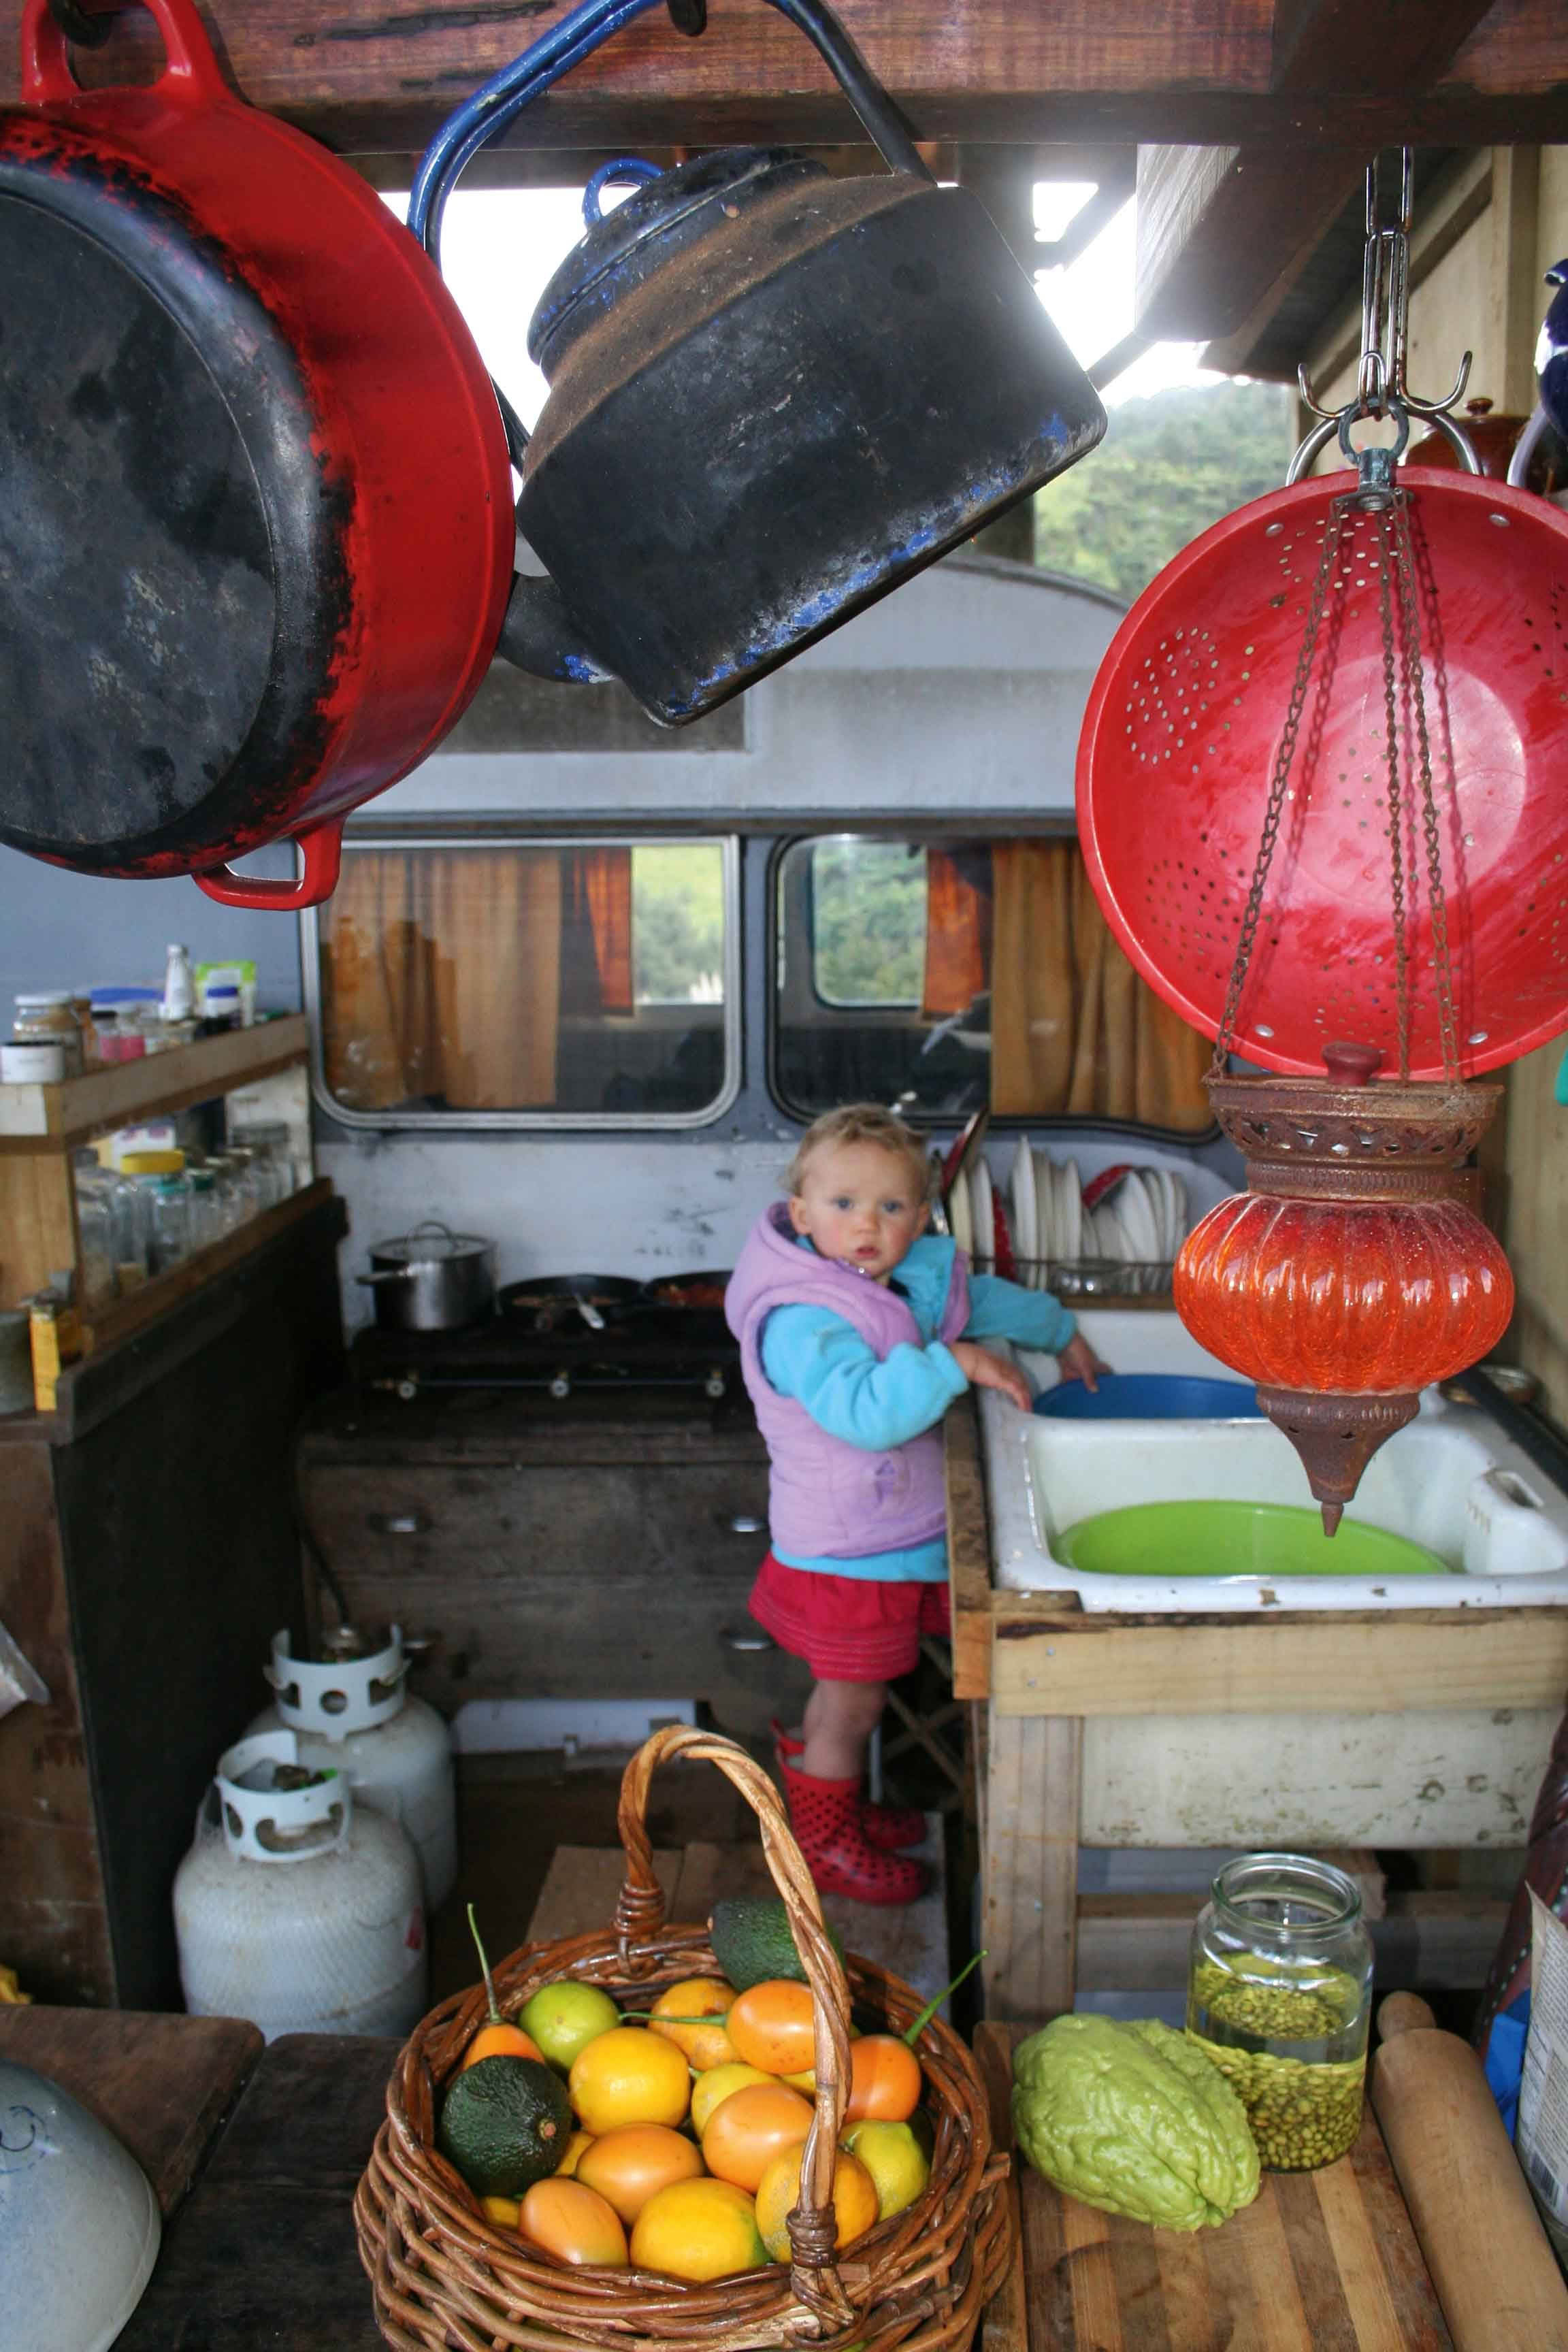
x=1381, y=388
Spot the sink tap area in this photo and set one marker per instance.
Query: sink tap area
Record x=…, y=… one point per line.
x=1145, y=1513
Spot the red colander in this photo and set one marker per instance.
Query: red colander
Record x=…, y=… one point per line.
x=1179, y=745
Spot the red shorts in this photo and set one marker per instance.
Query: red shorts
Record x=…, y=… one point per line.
x=848, y=1629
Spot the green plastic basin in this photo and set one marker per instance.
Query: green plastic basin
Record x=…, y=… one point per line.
x=1265, y=1539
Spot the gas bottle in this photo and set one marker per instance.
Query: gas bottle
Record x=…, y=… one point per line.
x=355, y=1715
x=293, y=1909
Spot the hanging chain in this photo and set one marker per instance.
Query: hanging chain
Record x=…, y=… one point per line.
x=1284, y=758
x=1447, y=1024
x=1386, y=557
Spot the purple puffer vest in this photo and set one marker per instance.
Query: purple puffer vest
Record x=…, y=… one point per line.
x=829, y=1499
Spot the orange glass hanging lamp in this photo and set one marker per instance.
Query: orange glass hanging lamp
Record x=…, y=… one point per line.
x=1352, y=1271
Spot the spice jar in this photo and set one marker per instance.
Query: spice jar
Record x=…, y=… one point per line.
x=46, y=1017
x=1279, y=1996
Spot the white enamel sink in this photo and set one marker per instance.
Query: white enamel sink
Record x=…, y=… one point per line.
x=1451, y=1482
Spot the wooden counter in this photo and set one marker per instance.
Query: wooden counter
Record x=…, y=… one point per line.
x=149, y=1553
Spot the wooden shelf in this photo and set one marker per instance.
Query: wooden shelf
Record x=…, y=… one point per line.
x=119, y=1318
x=122, y=1092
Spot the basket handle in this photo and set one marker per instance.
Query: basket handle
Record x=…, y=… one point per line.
x=814, y=2276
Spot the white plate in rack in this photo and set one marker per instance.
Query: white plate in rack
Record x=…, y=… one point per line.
x=1025, y=1212
x=1136, y=1214
x=959, y=1215
x=984, y=1215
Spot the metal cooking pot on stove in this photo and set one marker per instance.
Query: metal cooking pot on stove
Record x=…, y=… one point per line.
x=432, y=1279
x=256, y=551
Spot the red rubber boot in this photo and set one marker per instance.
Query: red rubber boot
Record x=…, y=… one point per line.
x=826, y=1818
x=889, y=1828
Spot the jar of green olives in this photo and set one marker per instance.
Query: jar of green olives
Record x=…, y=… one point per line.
x=1279, y=1997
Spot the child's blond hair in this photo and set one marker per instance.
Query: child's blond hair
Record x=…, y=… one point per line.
x=864, y=1123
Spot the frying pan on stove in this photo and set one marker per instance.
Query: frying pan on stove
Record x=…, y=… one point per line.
x=567, y=1302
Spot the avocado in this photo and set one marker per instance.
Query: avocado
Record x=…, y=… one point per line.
x=752, y=1942
x=505, y=2124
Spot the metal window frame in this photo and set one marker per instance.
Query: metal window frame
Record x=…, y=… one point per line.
x=451, y=1122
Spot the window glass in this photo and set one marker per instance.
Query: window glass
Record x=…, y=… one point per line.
x=582, y=980
x=954, y=975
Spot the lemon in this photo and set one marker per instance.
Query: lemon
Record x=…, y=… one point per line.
x=716, y=2082
x=697, y=2230
x=778, y=2192
x=564, y=2018
x=899, y=2166
x=705, y=2045
x=577, y=2146
x=629, y=2076
x=502, y=2211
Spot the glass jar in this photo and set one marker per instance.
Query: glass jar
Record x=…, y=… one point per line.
x=271, y=1147
x=46, y=1017
x=81, y=1013
x=251, y=1187
x=95, y=1236
x=161, y=1214
x=1279, y=1997
x=206, y=1209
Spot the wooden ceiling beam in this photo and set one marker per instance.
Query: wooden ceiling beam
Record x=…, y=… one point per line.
x=1221, y=230
x=378, y=76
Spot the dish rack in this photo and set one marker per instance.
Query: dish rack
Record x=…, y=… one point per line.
x=1084, y=1277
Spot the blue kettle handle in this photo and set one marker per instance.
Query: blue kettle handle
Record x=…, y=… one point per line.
x=500, y=99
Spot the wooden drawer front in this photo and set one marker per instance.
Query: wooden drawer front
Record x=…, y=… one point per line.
x=610, y=1582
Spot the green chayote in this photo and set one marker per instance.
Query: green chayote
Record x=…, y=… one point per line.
x=1131, y=2118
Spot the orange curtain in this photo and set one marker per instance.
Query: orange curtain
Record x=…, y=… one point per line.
x=441, y=979
x=599, y=885
x=957, y=936
x=1075, y=1033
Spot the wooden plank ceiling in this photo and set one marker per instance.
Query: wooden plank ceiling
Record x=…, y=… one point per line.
x=1255, y=116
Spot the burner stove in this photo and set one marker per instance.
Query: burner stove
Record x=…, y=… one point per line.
x=675, y=1348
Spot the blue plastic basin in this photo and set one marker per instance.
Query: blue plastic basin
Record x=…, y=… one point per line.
x=1151, y=1396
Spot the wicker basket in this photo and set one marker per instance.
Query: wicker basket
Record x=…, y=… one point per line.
x=444, y=2276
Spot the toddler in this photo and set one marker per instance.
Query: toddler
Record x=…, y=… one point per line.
x=858, y=1330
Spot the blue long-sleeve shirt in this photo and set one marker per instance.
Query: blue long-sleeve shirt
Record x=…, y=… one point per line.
x=816, y=1357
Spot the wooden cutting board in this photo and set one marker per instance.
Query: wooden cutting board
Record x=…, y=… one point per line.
x=1321, y=2262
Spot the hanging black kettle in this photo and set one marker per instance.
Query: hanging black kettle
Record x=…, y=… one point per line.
x=774, y=393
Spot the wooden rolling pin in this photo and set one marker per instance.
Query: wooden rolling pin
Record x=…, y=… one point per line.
x=1489, y=2259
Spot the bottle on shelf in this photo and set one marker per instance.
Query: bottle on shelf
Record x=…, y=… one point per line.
x=179, y=984
x=44, y=1017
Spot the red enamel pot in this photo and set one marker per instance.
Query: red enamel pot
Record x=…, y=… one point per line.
x=257, y=539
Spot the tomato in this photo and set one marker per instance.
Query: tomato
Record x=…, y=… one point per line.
x=771, y=2026
x=500, y=2042
x=884, y=2081
x=626, y=2166
x=747, y=2130
x=571, y=2222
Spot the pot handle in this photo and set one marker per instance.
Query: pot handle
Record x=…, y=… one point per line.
x=320, y=848
x=484, y=115
x=190, y=70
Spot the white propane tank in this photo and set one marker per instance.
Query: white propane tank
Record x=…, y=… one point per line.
x=354, y=1716
x=292, y=1909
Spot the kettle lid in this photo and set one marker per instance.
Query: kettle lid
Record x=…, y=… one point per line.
x=669, y=211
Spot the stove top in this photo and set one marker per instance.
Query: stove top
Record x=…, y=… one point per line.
x=689, y=1349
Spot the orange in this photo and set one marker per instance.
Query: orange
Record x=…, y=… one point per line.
x=778, y=2192
x=628, y=2076
x=715, y=2084
x=500, y=2040
x=770, y=2027
x=576, y=2146
x=884, y=2081
x=573, y=2223
x=747, y=2130
x=626, y=2166
x=697, y=2230
x=705, y=2045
